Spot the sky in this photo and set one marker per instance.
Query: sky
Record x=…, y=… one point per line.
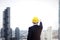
x=22, y=12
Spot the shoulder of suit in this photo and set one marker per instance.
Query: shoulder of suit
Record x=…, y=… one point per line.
x=30, y=27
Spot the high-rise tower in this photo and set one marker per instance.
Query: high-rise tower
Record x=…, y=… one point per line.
x=17, y=33
x=7, y=31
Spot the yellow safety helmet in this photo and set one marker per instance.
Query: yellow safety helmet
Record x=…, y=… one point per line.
x=35, y=20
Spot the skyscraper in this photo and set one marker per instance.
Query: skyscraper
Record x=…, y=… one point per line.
x=6, y=18
x=59, y=22
x=49, y=33
x=6, y=30
x=17, y=33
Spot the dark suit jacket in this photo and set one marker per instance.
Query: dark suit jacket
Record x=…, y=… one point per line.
x=34, y=32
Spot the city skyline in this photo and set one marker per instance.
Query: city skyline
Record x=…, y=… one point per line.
x=47, y=11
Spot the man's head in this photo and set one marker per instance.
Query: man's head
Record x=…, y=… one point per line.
x=35, y=20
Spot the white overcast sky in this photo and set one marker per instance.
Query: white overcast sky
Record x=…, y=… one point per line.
x=22, y=12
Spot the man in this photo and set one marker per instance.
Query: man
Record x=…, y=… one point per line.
x=34, y=31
